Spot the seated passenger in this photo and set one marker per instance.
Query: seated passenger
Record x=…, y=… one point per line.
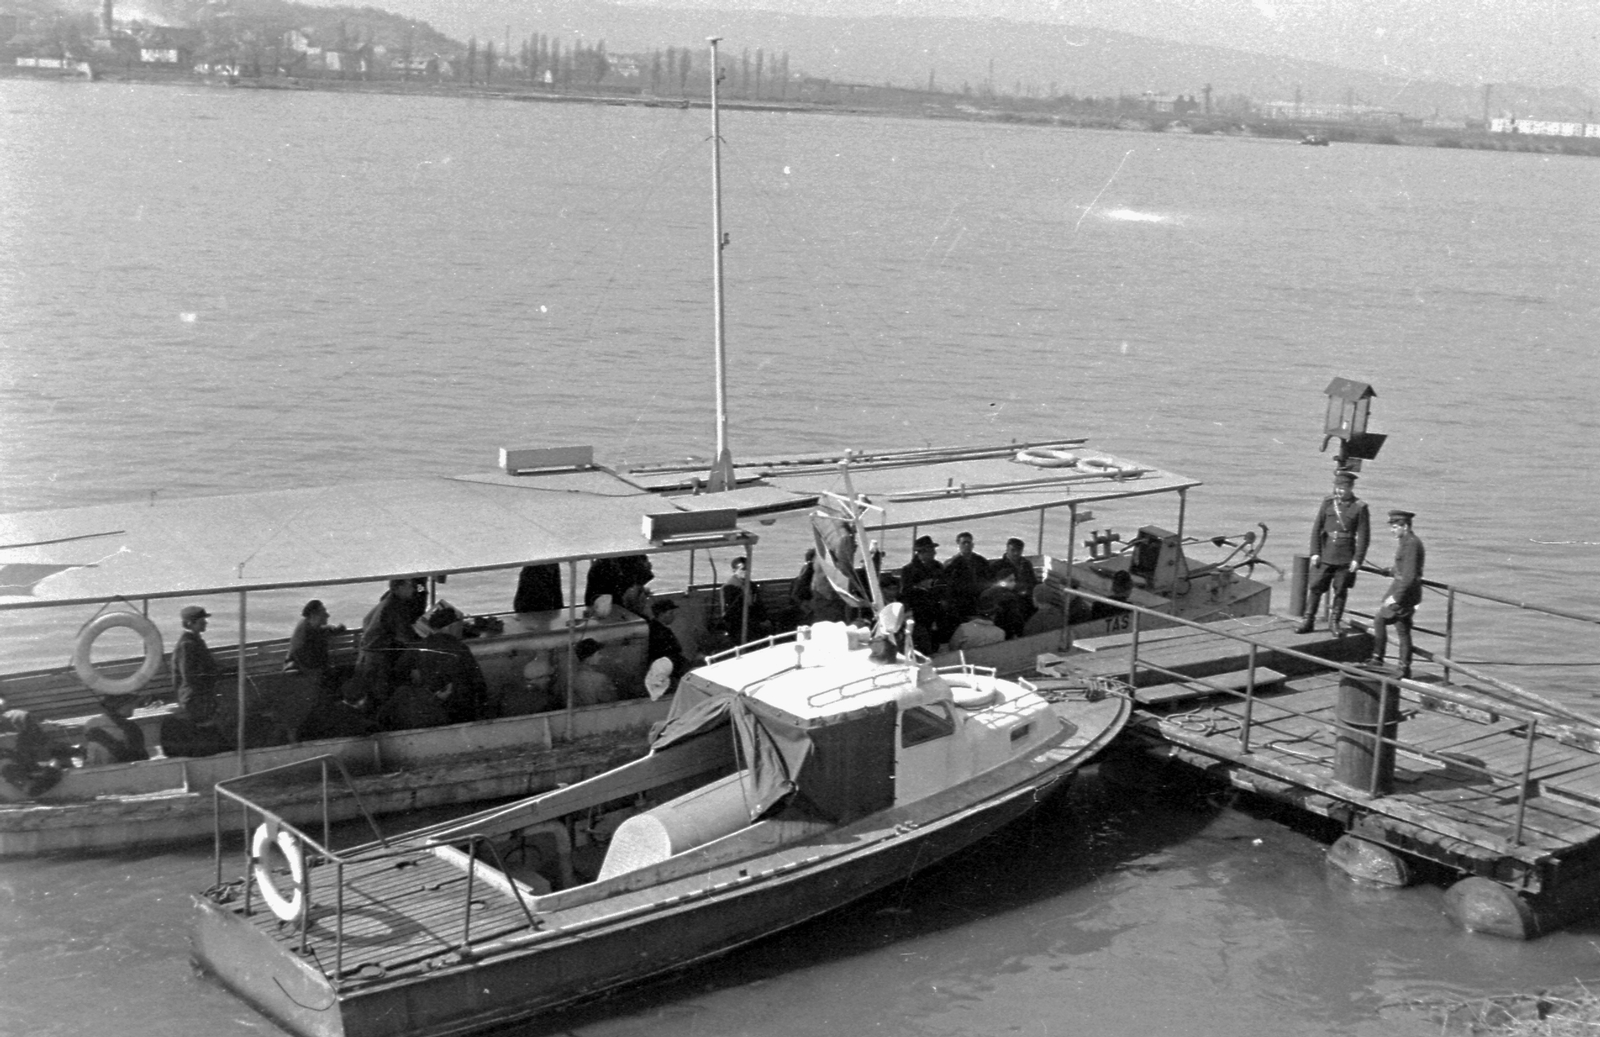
x=976, y=632
x=538, y=589
x=343, y=716
x=34, y=762
x=590, y=685
x=193, y=730
x=447, y=669
x=112, y=737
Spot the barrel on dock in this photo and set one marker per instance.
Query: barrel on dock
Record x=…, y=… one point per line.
x=1368, y=707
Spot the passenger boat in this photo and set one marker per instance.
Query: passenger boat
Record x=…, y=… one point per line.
x=796, y=775
x=146, y=558
x=543, y=506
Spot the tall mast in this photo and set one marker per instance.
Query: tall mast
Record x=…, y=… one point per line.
x=721, y=477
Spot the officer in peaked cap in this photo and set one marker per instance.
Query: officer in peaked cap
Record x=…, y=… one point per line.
x=1404, y=594
x=1339, y=538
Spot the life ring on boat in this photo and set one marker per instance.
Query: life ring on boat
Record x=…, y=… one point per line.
x=1098, y=464
x=971, y=692
x=1047, y=457
x=83, y=659
x=268, y=834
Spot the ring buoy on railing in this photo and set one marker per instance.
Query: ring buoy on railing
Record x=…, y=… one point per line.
x=267, y=835
x=1098, y=464
x=970, y=691
x=1047, y=457
x=83, y=658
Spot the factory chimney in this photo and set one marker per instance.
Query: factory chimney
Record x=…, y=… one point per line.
x=105, y=18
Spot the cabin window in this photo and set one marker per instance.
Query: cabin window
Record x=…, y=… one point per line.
x=924, y=724
x=1020, y=732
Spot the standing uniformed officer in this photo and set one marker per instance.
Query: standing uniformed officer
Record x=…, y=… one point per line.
x=1339, y=539
x=1400, y=603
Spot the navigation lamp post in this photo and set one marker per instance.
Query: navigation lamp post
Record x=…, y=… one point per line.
x=1348, y=406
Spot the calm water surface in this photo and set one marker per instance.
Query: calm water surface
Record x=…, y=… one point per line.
x=209, y=291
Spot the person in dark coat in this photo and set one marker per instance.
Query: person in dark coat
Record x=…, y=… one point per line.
x=447, y=669
x=1339, y=538
x=111, y=737
x=343, y=716
x=966, y=575
x=33, y=762
x=663, y=641
x=383, y=658
x=922, y=587
x=735, y=590
x=539, y=589
x=194, y=668
x=1405, y=593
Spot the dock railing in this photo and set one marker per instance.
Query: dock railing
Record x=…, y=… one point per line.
x=1529, y=714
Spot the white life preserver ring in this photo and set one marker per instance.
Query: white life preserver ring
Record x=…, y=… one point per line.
x=1047, y=457
x=83, y=659
x=971, y=692
x=292, y=907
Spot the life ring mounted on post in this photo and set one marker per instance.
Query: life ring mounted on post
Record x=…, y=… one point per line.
x=267, y=835
x=83, y=653
x=1047, y=457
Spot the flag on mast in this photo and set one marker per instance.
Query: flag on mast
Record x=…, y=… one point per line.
x=833, y=530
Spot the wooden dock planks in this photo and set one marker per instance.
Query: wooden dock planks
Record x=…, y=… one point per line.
x=1292, y=737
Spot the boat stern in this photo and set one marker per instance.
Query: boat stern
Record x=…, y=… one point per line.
x=290, y=991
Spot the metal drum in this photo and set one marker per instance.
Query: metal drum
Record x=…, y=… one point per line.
x=1359, y=759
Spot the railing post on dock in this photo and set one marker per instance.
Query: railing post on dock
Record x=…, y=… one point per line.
x=1249, y=702
x=305, y=899
x=1378, y=731
x=1449, y=629
x=1133, y=651
x=1527, y=772
x=327, y=826
x=338, y=928
x=472, y=873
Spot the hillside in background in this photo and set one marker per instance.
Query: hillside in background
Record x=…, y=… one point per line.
x=1037, y=57
x=980, y=56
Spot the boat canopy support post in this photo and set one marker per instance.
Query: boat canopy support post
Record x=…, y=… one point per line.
x=1183, y=507
x=721, y=477
x=239, y=727
x=1040, y=542
x=1066, y=598
x=571, y=664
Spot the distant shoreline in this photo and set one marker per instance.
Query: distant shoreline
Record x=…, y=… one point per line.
x=1019, y=112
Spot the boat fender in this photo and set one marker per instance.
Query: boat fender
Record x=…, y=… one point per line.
x=83, y=659
x=971, y=692
x=1047, y=457
x=292, y=907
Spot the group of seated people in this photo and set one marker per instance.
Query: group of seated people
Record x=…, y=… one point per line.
x=969, y=601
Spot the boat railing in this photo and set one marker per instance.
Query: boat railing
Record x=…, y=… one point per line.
x=753, y=646
x=320, y=850
x=888, y=678
x=1530, y=714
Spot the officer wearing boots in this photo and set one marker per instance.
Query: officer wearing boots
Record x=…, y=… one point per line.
x=1339, y=539
x=1400, y=603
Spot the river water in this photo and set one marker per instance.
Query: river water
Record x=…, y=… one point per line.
x=210, y=290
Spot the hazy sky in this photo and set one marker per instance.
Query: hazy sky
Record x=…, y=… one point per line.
x=1540, y=42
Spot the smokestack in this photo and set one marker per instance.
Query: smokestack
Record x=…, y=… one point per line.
x=105, y=18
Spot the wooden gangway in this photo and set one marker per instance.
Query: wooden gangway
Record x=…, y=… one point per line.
x=1499, y=791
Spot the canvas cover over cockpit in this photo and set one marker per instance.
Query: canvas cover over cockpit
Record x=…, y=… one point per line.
x=836, y=768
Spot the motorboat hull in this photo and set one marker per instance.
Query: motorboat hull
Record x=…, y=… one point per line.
x=730, y=907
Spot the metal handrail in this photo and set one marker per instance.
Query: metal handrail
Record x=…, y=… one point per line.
x=1527, y=716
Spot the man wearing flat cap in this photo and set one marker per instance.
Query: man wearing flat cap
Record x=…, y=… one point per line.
x=1405, y=593
x=194, y=668
x=1339, y=538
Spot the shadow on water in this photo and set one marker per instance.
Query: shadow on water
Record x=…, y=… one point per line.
x=1075, y=839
